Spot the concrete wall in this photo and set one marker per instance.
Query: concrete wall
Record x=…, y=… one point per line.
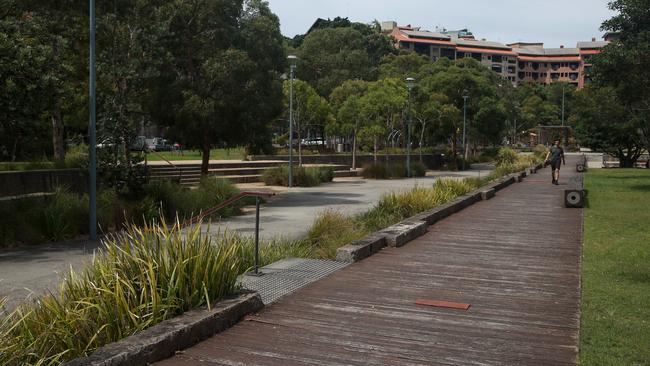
x=42, y=181
x=432, y=161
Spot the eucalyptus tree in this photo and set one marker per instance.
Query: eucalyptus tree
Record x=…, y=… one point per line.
x=346, y=101
x=310, y=110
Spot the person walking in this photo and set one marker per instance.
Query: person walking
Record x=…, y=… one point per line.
x=555, y=156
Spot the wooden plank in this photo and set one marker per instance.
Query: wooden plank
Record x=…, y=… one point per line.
x=514, y=258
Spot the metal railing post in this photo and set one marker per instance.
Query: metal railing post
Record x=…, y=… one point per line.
x=257, y=235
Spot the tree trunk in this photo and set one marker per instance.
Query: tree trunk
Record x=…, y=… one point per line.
x=375, y=150
x=299, y=148
x=421, y=141
x=205, y=158
x=58, y=135
x=354, y=150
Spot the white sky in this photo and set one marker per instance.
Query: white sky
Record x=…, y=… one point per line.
x=554, y=22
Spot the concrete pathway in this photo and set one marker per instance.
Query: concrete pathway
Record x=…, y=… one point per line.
x=515, y=259
x=37, y=269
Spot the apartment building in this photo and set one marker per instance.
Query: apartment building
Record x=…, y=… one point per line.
x=518, y=62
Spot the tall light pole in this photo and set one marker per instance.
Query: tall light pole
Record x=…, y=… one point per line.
x=409, y=84
x=292, y=67
x=92, y=134
x=465, y=97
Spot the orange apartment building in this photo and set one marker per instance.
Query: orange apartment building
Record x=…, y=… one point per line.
x=517, y=62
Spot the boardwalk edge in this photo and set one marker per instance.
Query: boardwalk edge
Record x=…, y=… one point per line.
x=405, y=231
x=163, y=340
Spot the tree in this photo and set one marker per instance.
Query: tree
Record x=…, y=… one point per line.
x=383, y=105
x=624, y=65
x=227, y=58
x=402, y=66
x=489, y=121
x=309, y=110
x=604, y=123
x=328, y=57
x=23, y=89
x=346, y=104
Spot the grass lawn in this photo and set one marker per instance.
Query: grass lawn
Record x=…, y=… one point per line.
x=237, y=153
x=615, y=324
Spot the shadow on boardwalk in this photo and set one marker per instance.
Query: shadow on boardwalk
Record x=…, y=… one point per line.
x=515, y=259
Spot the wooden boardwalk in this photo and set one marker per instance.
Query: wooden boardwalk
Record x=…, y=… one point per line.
x=515, y=259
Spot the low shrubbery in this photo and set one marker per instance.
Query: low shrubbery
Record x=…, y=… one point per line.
x=383, y=170
x=64, y=215
x=301, y=176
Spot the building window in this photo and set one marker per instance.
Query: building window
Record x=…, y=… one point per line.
x=535, y=66
x=522, y=65
x=573, y=76
x=521, y=75
x=497, y=59
x=477, y=56
x=574, y=66
x=450, y=53
x=422, y=49
x=511, y=69
x=555, y=66
x=497, y=68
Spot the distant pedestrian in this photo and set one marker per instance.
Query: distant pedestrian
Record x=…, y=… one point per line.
x=555, y=156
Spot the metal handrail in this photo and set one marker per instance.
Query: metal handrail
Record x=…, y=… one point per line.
x=199, y=218
x=180, y=170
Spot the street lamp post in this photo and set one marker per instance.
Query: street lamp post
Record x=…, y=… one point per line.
x=465, y=97
x=292, y=61
x=92, y=134
x=409, y=83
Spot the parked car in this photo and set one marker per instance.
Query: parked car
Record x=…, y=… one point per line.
x=139, y=144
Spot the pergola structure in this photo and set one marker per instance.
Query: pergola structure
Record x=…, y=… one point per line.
x=546, y=134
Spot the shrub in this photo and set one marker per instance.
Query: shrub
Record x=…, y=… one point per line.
x=174, y=200
x=375, y=171
x=506, y=156
x=540, y=151
x=302, y=176
x=331, y=230
x=418, y=169
x=63, y=217
x=140, y=279
x=396, y=170
x=77, y=156
x=381, y=170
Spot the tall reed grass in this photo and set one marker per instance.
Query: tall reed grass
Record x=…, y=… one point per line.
x=144, y=277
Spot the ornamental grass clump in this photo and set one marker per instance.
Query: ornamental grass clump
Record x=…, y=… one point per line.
x=397, y=206
x=139, y=279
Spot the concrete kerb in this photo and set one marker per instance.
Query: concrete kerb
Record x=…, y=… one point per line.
x=401, y=233
x=164, y=339
x=361, y=249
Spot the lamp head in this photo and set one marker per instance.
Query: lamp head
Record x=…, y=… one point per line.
x=292, y=59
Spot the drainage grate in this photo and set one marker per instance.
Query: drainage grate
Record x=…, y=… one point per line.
x=288, y=275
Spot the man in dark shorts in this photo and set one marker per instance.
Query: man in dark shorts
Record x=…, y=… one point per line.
x=555, y=157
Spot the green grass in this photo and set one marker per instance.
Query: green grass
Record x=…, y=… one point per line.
x=237, y=153
x=615, y=324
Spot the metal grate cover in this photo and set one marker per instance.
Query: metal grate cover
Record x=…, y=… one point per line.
x=288, y=275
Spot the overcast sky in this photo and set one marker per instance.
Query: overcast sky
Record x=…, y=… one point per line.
x=554, y=22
